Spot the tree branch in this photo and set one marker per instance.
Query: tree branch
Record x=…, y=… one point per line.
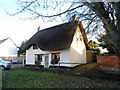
x=23, y=9
x=54, y=14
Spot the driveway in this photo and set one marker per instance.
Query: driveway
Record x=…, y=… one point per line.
x=16, y=66
x=1, y=68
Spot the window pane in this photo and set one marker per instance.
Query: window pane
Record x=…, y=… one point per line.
x=55, y=58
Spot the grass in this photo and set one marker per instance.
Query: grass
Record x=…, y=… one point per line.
x=0, y=79
x=50, y=79
x=35, y=79
x=87, y=67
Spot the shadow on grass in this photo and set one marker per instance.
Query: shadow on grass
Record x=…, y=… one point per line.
x=89, y=70
x=83, y=76
x=92, y=71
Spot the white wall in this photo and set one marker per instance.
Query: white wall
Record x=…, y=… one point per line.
x=30, y=56
x=65, y=57
x=30, y=59
x=78, y=49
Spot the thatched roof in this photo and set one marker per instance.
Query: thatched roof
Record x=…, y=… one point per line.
x=85, y=39
x=55, y=38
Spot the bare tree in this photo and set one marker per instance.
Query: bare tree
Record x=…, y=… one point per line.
x=97, y=15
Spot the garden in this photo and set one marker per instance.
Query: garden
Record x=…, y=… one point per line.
x=55, y=78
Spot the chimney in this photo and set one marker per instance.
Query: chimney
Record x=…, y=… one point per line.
x=74, y=17
x=38, y=28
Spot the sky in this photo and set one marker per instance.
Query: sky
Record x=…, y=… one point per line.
x=15, y=27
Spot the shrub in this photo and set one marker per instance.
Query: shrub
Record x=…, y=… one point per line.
x=54, y=61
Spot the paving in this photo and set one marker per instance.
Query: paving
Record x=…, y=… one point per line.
x=16, y=67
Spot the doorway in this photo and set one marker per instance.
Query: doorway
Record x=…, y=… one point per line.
x=38, y=59
x=46, y=61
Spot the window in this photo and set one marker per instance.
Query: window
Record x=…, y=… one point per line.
x=38, y=57
x=34, y=46
x=55, y=58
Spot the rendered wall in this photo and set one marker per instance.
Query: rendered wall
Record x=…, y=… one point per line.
x=30, y=60
x=65, y=58
x=78, y=49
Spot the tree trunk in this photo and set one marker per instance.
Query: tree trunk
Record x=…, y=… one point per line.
x=112, y=28
x=117, y=9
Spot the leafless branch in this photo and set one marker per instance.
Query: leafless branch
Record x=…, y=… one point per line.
x=68, y=10
x=23, y=9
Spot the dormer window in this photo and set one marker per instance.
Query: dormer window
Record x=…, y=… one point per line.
x=35, y=46
x=77, y=39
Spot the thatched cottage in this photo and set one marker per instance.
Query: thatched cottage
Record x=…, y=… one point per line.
x=61, y=45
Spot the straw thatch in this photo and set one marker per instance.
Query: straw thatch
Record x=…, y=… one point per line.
x=55, y=38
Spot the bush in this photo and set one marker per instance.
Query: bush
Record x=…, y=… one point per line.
x=54, y=61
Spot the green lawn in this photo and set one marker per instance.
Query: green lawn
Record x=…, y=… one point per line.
x=37, y=79
x=0, y=79
x=47, y=79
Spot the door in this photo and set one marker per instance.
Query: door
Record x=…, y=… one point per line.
x=38, y=59
x=46, y=65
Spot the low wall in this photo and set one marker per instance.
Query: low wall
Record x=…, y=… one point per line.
x=89, y=56
x=109, y=63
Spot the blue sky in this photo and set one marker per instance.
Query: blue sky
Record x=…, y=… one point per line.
x=14, y=27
